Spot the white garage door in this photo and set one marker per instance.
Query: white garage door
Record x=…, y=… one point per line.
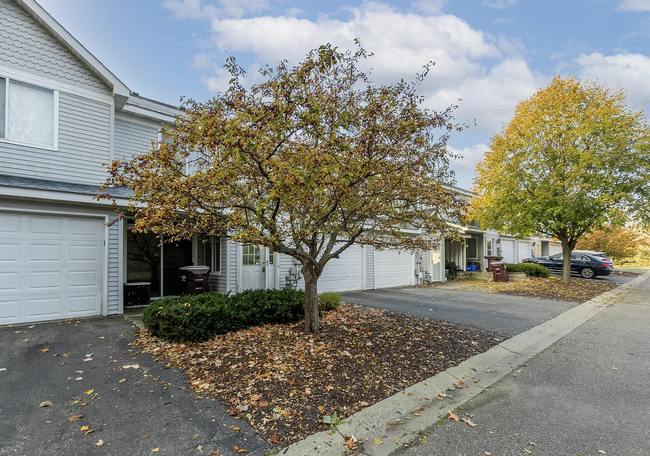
x=508, y=250
x=555, y=248
x=524, y=250
x=342, y=274
x=50, y=267
x=392, y=269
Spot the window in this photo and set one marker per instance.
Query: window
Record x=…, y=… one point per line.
x=471, y=248
x=216, y=255
x=28, y=113
x=251, y=255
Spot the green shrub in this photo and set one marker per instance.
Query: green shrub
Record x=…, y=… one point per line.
x=329, y=301
x=530, y=269
x=201, y=317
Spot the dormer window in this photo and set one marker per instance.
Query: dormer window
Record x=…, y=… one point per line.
x=28, y=114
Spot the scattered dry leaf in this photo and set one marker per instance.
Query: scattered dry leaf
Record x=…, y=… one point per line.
x=45, y=404
x=75, y=418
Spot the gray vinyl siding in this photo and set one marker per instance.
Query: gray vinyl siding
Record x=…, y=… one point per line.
x=114, y=285
x=27, y=46
x=370, y=267
x=133, y=138
x=232, y=266
x=84, y=146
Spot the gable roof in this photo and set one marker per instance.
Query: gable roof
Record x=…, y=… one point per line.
x=120, y=90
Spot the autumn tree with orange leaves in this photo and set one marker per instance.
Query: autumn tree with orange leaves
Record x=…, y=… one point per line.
x=308, y=162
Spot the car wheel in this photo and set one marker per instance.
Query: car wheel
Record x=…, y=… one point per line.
x=588, y=273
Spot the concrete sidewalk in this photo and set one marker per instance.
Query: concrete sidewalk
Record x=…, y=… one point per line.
x=586, y=394
x=589, y=382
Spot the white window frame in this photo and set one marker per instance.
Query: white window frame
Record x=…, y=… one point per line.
x=55, y=103
x=215, y=245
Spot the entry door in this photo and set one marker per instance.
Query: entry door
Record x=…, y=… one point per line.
x=271, y=269
x=253, y=270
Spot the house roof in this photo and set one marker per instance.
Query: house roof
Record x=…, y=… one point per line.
x=63, y=187
x=152, y=109
x=120, y=90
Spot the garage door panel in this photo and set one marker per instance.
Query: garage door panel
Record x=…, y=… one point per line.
x=44, y=225
x=8, y=281
x=508, y=250
x=9, y=223
x=83, y=228
x=45, y=252
x=8, y=311
x=392, y=269
x=50, y=267
x=84, y=253
x=83, y=304
x=342, y=274
x=9, y=253
x=49, y=307
x=50, y=280
x=84, y=279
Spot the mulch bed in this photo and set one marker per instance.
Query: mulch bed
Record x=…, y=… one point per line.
x=283, y=380
x=578, y=290
x=627, y=274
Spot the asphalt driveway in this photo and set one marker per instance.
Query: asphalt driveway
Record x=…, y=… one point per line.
x=131, y=403
x=506, y=314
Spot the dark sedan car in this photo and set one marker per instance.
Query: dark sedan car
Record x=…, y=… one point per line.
x=585, y=264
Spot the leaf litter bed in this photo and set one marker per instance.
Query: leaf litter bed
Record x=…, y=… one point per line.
x=283, y=380
x=578, y=290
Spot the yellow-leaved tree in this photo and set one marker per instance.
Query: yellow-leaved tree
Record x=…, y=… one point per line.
x=574, y=158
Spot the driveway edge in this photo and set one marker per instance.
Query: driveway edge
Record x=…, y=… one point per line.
x=390, y=424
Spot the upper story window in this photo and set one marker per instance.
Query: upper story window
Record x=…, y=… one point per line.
x=28, y=114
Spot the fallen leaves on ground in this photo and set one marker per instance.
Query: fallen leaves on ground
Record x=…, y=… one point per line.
x=283, y=380
x=578, y=290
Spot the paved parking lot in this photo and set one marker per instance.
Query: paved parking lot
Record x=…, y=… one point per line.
x=130, y=404
x=506, y=314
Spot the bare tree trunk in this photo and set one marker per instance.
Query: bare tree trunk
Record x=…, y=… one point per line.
x=566, y=262
x=312, y=323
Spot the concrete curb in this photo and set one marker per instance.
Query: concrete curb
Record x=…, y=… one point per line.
x=418, y=407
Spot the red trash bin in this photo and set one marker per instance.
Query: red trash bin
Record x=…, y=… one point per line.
x=195, y=278
x=499, y=273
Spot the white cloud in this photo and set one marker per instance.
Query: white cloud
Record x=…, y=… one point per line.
x=631, y=71
x=489, y=73
x=634, y=5
x=402, y=42
x=491, y=99
x=501, y=4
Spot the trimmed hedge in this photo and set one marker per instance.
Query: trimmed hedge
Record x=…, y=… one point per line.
x=329, y=301
x=199, y=318
x=530, y=269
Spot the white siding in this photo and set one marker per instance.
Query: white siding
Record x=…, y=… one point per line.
x=133, y=137
x=27, y=46
x=114, y=287
x=370, y=267
x=84, y=146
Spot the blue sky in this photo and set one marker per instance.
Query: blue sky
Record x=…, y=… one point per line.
x=489, y=53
